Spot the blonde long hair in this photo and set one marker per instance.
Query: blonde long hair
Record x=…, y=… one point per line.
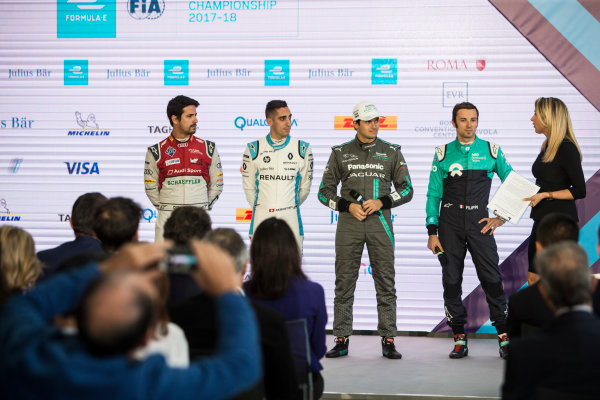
x=18, y=261
x=553, y=113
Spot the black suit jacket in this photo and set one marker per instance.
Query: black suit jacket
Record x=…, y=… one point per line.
x=564, y=356
x=197, y=317
x=527, y=312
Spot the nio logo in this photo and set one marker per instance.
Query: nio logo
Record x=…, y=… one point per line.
x=456, y=169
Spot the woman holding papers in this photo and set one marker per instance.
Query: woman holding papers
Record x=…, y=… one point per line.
x=557, y=169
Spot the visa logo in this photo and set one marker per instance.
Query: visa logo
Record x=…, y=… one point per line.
x=82, y=168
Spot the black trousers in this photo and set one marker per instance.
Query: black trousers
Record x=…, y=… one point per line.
x=459, y=232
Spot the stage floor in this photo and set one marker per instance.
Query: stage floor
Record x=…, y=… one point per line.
x=424, y=372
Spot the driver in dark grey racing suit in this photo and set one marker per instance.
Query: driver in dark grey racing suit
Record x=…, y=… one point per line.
x=369, y=166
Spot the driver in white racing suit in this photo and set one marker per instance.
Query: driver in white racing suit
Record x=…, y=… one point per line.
x=277, y=172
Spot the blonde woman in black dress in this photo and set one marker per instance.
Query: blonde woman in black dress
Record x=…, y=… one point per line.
x=557, y=169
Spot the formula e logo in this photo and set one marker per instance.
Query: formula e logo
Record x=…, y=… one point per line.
x=82, y=168
x=176, y=72
x=456, y=169
x=145, y=9
x=384, y=71
x=75, y=72
x=277, y=72
x=86, y=19
x=267, y=159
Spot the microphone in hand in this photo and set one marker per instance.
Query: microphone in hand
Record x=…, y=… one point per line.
x=359, y=197
x=441, y=256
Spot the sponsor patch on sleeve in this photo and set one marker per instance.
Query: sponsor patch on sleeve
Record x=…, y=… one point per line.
x=395, y=196
x=332, y=204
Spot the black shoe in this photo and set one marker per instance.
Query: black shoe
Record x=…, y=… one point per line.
x=389, y=349
x=503, y=343
x=460, y=346
x=340, y=349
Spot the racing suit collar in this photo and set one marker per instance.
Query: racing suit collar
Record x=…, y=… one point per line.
x=466, y=148
x=277, y=146
x=364, y=146
x=173, y=139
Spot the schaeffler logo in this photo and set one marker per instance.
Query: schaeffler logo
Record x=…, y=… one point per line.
x=88, y=126
x=145, y=9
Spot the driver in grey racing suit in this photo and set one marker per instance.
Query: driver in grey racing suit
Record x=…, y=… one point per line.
x=369, y=166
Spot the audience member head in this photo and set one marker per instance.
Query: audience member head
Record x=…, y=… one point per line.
x=117, y=222
x=117, y=313
x=18, y=261
x=556, y=121
x=554, y=228
x=275, y=259
x=4, y=291
x=230, y=241
x=83, y=212
x=564, y=274
x=187, y=222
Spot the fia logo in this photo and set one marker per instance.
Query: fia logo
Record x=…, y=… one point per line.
x=170, y=151
x=82, y=168
x=145, y=9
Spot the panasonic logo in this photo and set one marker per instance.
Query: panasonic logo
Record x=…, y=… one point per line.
x=364, y=166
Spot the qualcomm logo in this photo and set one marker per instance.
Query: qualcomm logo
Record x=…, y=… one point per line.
x=242, y=122
x=149, y=215
x=384, y=71
x=145, y=9
x=176, y=72
x=456, y=169
x=86, y=18
x=277, y=72
x=75, y=72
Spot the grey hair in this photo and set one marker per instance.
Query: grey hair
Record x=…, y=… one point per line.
x=230, y=241
x=565, y=273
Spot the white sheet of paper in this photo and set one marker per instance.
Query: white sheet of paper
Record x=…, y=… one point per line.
x=508, y=201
